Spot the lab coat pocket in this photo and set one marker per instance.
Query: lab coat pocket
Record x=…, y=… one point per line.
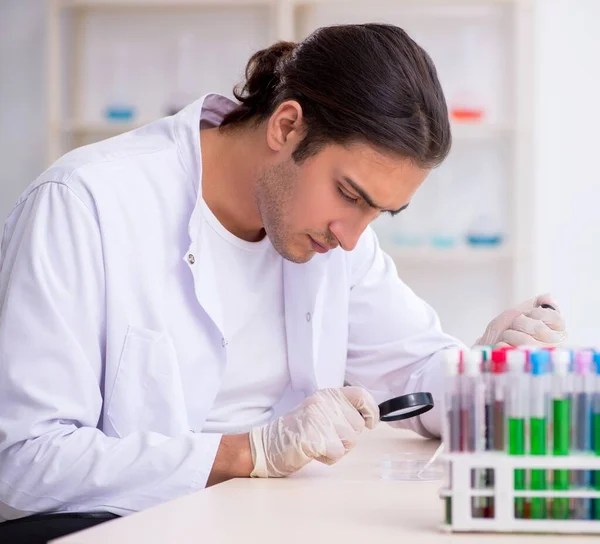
x=148, y=393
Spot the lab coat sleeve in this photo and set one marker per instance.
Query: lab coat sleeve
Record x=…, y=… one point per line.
x=395, y=338
x=52, y=455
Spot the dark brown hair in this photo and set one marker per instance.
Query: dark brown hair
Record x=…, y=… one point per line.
x=370, y=83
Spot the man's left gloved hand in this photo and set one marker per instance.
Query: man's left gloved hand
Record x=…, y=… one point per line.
x=527, y=324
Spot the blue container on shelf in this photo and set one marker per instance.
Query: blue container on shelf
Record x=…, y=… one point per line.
x=484, y=232
x=119, y=113
x=443, y=242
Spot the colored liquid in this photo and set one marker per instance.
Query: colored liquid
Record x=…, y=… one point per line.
x=489, y=446
x=489, y=426
x=499, y=425
x=583, y=444
x=454, y=425
x=467, y=430
x=596, y=427
x=538, y=477
x=516, y=446
x=562, y=428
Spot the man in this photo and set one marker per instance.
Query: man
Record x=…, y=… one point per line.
x=182, y=304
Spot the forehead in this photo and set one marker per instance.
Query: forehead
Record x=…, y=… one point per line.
x=389, y=178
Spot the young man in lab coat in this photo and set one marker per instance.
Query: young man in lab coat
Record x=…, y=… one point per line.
x=182, y=304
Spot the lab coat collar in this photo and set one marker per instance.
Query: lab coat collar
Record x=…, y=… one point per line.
x=208, y=110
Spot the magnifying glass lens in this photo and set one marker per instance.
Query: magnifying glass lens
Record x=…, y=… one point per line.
x=405, y=406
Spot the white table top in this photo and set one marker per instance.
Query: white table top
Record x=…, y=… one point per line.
x=349, y=502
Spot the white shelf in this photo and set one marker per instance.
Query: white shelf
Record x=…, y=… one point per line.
x=167, y=4
x=102, y=128
x=480, y=130
x=460, y=130
x=436, y=8
x=457, y=255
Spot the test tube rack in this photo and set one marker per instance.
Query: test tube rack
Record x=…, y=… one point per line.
x=459, y=493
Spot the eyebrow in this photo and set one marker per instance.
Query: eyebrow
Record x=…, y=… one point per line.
x=365, y=196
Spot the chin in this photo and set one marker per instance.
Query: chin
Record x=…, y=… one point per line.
x=298, y=258
x=296, y=255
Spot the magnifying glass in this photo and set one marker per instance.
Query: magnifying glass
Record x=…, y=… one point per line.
x=405, y=406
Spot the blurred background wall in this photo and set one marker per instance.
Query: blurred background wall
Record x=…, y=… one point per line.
x=511, y=213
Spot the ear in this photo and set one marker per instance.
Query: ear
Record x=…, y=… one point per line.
x=285, y=126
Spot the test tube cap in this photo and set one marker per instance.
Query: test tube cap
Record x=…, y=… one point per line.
x=451, y=358
x=472, y=360
x=561, y=360
x=540, y=362
x=499, y=361
x=516, y=360
x=486, y=351
x=597, y=360
x=583, y=361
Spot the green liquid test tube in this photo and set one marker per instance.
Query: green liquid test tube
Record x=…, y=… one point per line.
x=517, y=397
x=561, y=423
x=538, y=423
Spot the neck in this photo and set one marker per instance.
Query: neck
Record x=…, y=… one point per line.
x=229, y=169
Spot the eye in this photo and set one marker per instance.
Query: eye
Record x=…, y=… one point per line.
x=347, y=197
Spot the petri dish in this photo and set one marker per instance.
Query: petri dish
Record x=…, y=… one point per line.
x=410, y=467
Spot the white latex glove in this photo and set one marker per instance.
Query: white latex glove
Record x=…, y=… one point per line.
x=527, y=324
x=325, y=426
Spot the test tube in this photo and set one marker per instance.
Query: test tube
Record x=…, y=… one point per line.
x=498, y=393
x=561, y=427
x=473, y=420
x=451, y=421
x=517, y=397
x=488, y=475
x=486, y=368
x=451, y=427
x=583, y=390
x=538, y=424
x=596, y=430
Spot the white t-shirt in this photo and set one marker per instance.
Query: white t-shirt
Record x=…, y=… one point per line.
x=250, y=287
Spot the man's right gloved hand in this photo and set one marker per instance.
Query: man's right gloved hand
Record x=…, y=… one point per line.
x=325, y=426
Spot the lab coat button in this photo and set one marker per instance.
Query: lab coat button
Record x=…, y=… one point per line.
x=224, y=342
x=191, y=259
x=308, y=317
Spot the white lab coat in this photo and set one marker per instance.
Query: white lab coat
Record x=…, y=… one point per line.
x=111, y=351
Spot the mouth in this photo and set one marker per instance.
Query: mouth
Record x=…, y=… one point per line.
x=319, y=248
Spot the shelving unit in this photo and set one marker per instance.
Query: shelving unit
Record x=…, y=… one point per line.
x=455, y=255
x=78, y=35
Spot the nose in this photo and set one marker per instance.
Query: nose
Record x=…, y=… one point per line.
x=348, y=233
